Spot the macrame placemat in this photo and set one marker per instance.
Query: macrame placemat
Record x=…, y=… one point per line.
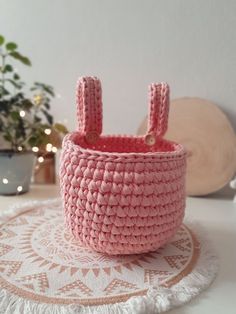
x=44, y=270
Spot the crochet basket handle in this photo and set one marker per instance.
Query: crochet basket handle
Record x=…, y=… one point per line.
x=158, y=112
x=89, y=107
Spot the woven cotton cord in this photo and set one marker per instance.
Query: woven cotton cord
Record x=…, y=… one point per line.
x=158, y=109
x=89, y=107
x=119, y=195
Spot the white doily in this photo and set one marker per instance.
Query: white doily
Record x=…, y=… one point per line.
x=44, y=270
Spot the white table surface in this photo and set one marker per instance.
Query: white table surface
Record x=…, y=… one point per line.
x=217, y=216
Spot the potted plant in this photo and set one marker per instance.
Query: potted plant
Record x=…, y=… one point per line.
x=25, y=121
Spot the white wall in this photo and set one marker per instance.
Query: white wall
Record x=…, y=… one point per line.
x=127, y=43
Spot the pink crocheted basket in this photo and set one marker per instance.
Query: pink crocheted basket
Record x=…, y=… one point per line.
x=122, y=194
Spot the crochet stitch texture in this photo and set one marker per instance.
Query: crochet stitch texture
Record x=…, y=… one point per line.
x=122, y=194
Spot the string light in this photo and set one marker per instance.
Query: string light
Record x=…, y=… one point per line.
x=35, y=149
x=19, y=188
x=5, y=181
x=49, y=147
x=22, y=113
x=38, y=99
x=48, y=131
x=41, y=159
x=19, y=148
x=54, y=149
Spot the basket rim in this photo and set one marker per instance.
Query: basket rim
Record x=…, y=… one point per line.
x=179, y=150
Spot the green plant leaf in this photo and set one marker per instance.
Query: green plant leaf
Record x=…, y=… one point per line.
x=7, y=137
x=3, y=106
x=8, y=68
x=32, y=141
x=48, y=117
x=17, y=98
x=37, y=119
x=16, y=76
x=20, y=130
x=1, y=125
x=16, y=55
x=27, y=104
x=11, y=46
x=46, y=105
x=28, y=131
x=46, y=88
x=60, y=128
x=3, y=91
x=49, y=90
x=2, y=39
x=16, y=85
x=15, y=115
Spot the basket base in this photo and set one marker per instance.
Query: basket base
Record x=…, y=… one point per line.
x=113, y=249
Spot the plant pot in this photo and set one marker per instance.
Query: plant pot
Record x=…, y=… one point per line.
x=15, y=171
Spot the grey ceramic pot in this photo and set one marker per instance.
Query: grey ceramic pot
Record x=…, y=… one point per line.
x=15, y=171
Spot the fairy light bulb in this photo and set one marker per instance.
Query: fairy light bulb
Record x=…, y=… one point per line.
x=19, y=148
x=22, y=113
x=5, y=181
x=49, y=147
x=35, y=149
x=47, y=131
x=19, y=188
x=233, y=184
x=54, y=149
x=40, y=159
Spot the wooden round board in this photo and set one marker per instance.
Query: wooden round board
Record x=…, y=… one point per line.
x=209, y=139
